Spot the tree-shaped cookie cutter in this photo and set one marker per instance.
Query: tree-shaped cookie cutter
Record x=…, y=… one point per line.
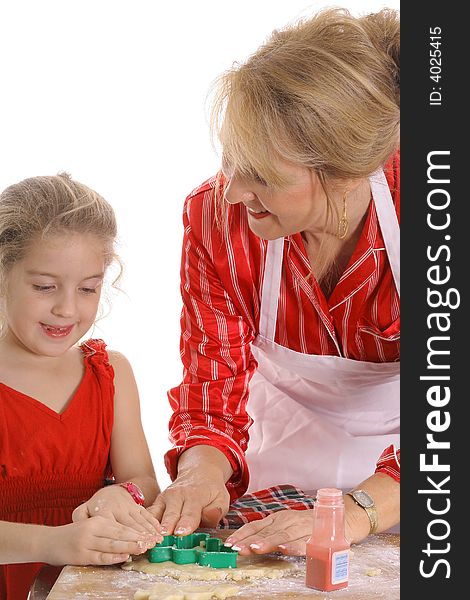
x=197, y=548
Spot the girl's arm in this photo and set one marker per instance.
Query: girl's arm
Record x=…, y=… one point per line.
x=130, y=456
x=130, y=459
x=96, y=541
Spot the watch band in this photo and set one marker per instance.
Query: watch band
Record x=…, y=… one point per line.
x=135, y=491
x=364, y=500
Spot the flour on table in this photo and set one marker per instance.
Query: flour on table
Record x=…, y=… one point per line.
x=249, y=567
x=164, y=591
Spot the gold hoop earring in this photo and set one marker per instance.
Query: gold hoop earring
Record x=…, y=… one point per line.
x=343, y=224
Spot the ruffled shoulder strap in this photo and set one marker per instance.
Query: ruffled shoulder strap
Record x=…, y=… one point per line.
x=95, y=353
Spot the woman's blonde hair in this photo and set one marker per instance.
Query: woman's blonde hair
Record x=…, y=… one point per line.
x=322, y=93
x=42, y=207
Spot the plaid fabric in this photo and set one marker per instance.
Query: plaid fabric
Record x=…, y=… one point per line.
x=252, y=507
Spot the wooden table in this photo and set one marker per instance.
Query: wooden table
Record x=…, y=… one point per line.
x=379, y=552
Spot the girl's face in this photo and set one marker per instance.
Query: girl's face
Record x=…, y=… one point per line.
x=301, y=205
x=53, y=293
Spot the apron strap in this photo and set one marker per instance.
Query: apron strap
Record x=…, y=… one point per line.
x=271, y=288
x=388, y=222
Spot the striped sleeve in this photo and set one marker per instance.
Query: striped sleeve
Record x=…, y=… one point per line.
x=209, y=406
x=389, y=462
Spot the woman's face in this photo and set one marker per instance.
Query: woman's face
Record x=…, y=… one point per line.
x=300, y=205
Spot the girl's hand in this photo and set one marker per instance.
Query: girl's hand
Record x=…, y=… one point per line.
x=194, y=499
x=114, y=502
x=285, y=531
x=97, y=541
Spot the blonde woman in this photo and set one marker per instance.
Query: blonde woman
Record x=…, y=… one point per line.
x=290, y=284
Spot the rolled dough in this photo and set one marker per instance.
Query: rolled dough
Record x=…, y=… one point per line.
x=164, y=591
x=249, y=567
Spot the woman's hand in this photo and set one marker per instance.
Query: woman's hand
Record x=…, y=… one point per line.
x=196, y=498
x=97, y=541
x=356, y=522
x=114, y=502
x=285, y=531
x=288, y=531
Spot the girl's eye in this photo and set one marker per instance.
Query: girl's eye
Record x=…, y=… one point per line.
x=89, y=290
x=43, y=288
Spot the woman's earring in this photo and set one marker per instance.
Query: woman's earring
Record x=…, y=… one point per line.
x=343, y=224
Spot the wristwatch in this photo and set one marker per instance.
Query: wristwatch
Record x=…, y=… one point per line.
x=362, y=499
x=135, y=491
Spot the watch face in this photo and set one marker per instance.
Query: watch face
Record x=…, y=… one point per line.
x=363, y=498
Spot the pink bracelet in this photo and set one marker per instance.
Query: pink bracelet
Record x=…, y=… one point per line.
x=135, y=491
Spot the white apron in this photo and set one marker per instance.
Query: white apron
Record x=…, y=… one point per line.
x=320, y=420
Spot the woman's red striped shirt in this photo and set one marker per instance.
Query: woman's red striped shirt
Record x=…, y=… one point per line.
x=221, y=278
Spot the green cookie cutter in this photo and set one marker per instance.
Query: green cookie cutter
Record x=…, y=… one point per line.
x=197, y=548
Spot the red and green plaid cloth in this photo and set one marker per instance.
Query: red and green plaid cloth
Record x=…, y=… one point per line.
x=252, y=507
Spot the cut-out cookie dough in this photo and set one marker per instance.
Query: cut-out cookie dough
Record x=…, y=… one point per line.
x=164, y=591
x=373, y=572
x=249, y=567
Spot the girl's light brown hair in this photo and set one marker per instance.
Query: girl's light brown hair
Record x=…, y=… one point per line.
x=322, y=93
x=42, y=207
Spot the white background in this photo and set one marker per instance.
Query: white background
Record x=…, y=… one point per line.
x=114, y=92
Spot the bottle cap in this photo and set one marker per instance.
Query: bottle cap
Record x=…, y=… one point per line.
x=330, y=496
x=329, y=493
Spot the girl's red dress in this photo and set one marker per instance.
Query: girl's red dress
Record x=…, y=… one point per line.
x=49, y=462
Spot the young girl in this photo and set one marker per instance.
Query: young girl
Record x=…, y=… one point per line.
x=69, y=412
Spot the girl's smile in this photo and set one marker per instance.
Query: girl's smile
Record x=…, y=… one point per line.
x=56, y=332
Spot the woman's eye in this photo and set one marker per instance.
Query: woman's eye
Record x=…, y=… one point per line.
x=43, y=288
x=89, y=290
x=259, y=179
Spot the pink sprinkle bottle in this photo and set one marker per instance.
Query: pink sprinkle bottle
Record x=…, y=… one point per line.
x=327, y=548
